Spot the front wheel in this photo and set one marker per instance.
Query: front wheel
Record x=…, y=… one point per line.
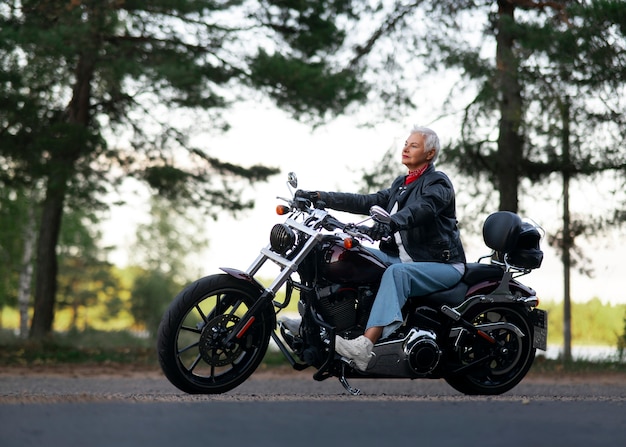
x=190, y=344
x=491, y=369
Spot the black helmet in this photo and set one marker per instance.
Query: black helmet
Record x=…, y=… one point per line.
x=508, y=235
x=527, y=253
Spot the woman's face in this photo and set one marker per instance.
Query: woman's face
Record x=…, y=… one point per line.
x=413, y=154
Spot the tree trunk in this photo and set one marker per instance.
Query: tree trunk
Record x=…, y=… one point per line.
x=568, y=241
x=62, y=167
x=509, y=139
x=46, y=284
x=567, y=307
x=26, y=269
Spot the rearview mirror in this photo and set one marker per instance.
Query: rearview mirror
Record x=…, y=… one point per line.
x=292, y=180
x=380, y=215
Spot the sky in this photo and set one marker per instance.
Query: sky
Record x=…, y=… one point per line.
x=332, y=158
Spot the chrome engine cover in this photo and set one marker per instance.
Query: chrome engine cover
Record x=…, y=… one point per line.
x=416, y=355
x=422, y=351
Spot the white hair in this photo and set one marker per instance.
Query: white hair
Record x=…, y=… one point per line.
x=431, y=140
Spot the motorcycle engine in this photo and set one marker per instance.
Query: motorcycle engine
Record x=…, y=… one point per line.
x=345, y=307
x=422, y=351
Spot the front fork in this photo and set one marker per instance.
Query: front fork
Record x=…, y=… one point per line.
x=288, y=267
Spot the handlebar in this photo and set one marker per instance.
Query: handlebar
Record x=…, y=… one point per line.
x=330, y=223
x=327, y=222
x=358, y=231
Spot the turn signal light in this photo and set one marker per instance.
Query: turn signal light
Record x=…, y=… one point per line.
x=349, y=243
x=281, y=210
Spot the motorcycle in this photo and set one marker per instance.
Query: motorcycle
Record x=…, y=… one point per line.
x=480, y=336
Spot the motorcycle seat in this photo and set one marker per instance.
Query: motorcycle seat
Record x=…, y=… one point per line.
x=475, y=272
x=452, y=297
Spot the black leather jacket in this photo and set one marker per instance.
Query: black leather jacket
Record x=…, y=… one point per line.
x=426, y=216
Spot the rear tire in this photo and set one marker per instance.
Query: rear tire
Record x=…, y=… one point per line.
x=191, y=334
x=508, y=361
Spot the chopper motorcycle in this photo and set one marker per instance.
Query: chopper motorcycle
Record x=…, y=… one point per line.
x=480, y=336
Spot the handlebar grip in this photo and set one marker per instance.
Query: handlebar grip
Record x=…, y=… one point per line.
x=330, y=223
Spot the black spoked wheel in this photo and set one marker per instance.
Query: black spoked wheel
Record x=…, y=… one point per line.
x=191, y=336
x=495, y=367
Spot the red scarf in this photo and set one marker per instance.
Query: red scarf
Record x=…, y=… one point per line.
x=414, y=175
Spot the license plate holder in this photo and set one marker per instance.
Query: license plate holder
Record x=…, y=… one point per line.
x=540, y=333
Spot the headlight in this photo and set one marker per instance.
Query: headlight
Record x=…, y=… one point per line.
x=282, y=238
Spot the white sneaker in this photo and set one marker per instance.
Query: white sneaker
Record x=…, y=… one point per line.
x=292, y=324
x=358, y=350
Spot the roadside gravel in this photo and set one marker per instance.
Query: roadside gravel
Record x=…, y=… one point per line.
x=50, y=384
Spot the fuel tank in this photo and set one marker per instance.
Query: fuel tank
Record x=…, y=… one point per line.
x=355, y=265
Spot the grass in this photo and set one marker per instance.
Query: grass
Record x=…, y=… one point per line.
x=125, y=349
x=87, y=347
x=544, y=366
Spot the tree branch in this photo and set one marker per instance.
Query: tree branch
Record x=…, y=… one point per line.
x=389, y=24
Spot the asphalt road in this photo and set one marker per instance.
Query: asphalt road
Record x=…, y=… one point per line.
x=270, y=410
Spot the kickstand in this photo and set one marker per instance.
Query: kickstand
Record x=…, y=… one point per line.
x=346, y=385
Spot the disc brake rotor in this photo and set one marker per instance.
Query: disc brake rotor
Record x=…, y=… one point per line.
x=211, y=344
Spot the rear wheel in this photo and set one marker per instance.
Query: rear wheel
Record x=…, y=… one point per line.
x=191, y=336
x=494, y=368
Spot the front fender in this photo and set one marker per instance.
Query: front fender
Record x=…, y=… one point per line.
x=240, y=274
x=243, y=276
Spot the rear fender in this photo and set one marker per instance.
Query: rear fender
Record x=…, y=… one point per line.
x=507, y=291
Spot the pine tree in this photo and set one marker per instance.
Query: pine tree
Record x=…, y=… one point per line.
x=78, y=76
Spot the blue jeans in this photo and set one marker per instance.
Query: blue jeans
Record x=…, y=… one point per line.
x=402, y=280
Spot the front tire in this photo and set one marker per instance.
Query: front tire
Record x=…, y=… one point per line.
x=191, y=334
x=506, y=363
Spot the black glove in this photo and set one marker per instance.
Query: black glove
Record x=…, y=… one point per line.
x=380, y=231
x=313, y=196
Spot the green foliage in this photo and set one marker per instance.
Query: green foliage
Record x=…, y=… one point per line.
x=161, y=252
x=593, y=323
x=301, y=87
x=151, y=294
x=13, y=214
x=166, y=242
x=309, y=26
x=87, y=285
